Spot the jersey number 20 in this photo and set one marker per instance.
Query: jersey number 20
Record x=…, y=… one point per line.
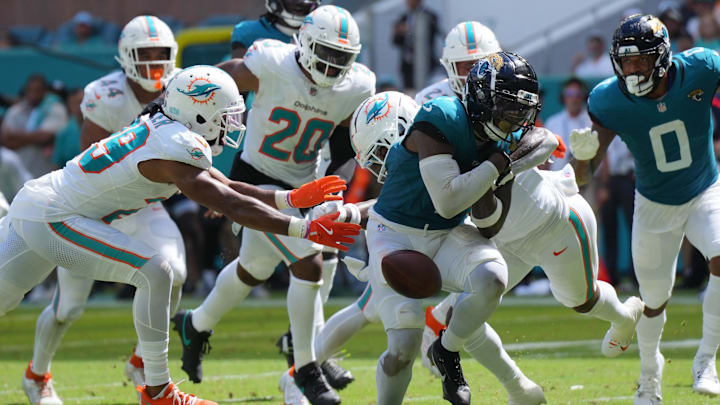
x=303, y=151
x=676, y=127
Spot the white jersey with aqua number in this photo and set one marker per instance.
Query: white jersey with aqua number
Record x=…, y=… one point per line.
x=110, y=103
x=104, y=182
x=435, y=90
x=291, y=117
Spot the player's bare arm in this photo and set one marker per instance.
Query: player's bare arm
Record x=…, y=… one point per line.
x=584, y=169
x=91, y=133
x=244, y=79
x=486, y=206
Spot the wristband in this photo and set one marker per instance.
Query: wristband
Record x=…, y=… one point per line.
x=282, y=200
x=491, y=219
x=298, y=228
x=349, y=213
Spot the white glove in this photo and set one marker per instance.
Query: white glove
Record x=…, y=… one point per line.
x=584, y=143
x=357, y=268
x=348, y=212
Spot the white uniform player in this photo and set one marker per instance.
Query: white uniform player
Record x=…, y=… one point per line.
x=304, y=94
x=63, y=218
x=437, y=89
x=110, y=104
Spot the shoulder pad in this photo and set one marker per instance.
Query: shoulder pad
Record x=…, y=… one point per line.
x=180, y=144
x=266, y=55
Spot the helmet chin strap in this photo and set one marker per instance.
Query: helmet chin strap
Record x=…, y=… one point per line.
x=637, y=87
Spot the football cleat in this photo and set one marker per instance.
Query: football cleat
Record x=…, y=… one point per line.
x=195, y=345
x=430, y=334
x=336, y=375
x=455, y=387
x=135, y=371
x=171, y=395
x=312, y=383
x=291, y=393
x=649, y=391
x=526, y=392
x=618, y=337
x=705, y=379
x=285, y=344
x=39, y=388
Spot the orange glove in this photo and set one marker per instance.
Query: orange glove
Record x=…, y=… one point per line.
x=561, y=149
x=326, y=231
x=311, y=194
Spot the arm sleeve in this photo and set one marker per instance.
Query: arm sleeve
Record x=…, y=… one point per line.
x=450, y=191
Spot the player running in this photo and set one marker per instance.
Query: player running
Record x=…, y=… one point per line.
x=63, y=217
x=146, y=53
x=304, y=94
x=660, y=106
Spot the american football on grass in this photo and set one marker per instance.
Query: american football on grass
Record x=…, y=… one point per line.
x=411, y=274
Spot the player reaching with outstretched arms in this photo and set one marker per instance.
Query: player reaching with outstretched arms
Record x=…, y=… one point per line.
x=304, y=94
x=62, y=218
x=146, y=53
x=660, y=106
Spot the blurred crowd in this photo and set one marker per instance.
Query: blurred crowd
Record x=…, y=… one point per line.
x=40, y=131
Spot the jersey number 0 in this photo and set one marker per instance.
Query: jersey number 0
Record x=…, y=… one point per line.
x=676, y=127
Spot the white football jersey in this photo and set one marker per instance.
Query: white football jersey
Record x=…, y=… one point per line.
x=535, y=202
x=110, y=103
x=104, y=182
x=291, y=117
x=441, y=88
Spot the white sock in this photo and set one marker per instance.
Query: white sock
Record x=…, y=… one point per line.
x=440, y=311
x=711, y=319
x=48, y=335
x=649, y=332
x=155, y=361
x=227, y=293
x=608, y=307
x=485, y=346
x=328, y=275
x=338, y=330
x=301, y=298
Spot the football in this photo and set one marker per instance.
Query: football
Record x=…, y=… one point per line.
x=411, y=274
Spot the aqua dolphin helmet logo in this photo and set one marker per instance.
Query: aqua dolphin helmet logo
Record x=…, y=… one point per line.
x=377, y=109
x=200, y=90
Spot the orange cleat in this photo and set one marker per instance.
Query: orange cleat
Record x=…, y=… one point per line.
x=171, y=395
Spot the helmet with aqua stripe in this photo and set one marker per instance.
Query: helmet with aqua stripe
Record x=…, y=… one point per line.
x=329, y=42
x=379, y=122
x=137, y=59
x=464, y=45
x=206, y=100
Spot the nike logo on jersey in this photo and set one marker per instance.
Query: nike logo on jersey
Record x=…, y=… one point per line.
x=560, y=252
x=328, y=231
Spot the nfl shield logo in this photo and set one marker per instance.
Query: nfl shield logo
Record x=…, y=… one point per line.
x=661, y=107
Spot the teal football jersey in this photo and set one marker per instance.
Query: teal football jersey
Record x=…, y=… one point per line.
x=404, y=198
x=670, y=138
x=247, y=32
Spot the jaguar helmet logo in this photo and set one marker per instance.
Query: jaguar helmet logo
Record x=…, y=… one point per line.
x=200, y=90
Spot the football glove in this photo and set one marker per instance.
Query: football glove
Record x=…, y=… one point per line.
x=348, y=212
x=326, y=231
x=584, y=143
x=561, y=148
x=311, y=194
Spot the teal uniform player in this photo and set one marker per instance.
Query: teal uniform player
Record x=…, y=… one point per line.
x=661, y=108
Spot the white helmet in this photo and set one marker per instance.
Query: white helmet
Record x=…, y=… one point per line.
x=379, y=122
x=468, y=40
x=329, y=42
x=206, y=100
x=146, y=31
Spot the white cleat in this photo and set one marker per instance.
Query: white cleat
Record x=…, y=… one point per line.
x=705, y=379
x=40, y=391
x=526, y=393
x=618, y=337
x=427, y=339
x=291, y=393
x=649, y=390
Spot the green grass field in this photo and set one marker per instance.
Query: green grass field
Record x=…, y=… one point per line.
x=554, y=346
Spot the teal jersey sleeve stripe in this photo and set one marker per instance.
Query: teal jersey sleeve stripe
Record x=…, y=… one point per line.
x=103, y=249
x=584, y=239
x=282, y=248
